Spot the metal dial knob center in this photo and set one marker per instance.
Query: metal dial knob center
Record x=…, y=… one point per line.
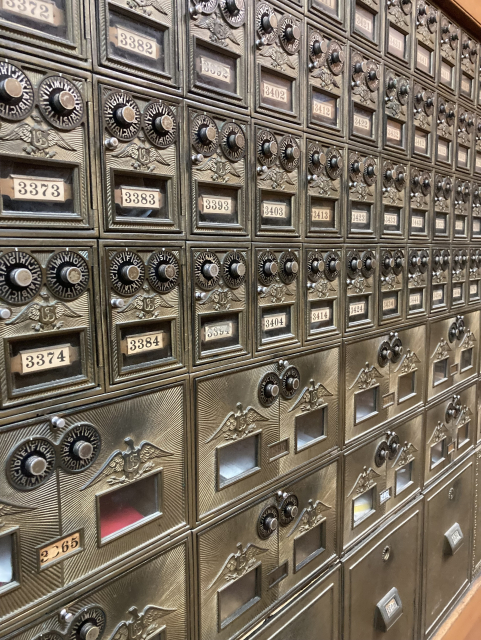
x=207, y=134
x=237, y=269
x=124, y=116
x=130, y=273
x=35, y=465
x=21, y=277
x=163, y=124
x=63, y=102
x=166, y=271
x=210, y=270
x=83, y=449
x=10, y=89
x=70, y=275
x=271, y=268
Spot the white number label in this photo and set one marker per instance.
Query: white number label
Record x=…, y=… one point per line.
x=359, y=217
x=414, y=299
x=459, y=225
x=473, y=289
x=443, y=148
x=362, y=122
x=478, y=162
x=320, y=315
x=274, y=322
x=462, y=156
x=422, y=59
x=391, y=219
x=457, y=291
x=388, y=304
x=466, y=85
x=271, y=210
x=44, y=359
x=46, y=189
x=214, y=69
x=437, y=294
x=140, y=198
x=274, y=92
x=391, y=607
x=59, y=549
x=323, y=109
x=141, y=45
x=417, y=222
x=214, y=204
x=393, y=132
x=446, y=72
x=420, y=142
x=440, y=224
x=145, y=342
x=219, y=330
x=32, y=9
x=476, y=225
x=356, y=309
x=396, y=41
x=321, y=214
x=364, y=22
x=384, y=496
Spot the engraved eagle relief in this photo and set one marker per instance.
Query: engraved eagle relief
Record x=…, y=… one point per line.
x=422, y=120
x=219, y=32
x=278, y=177
x=143, y=625
x=397, y=15
x=277, y=292
x=465, y=416
x=395, y=108
x=444, y=130
x=417, y=280
x=39, y=140
x=364, y=94
x=279, y=59
x=146, y=306
x=310, y=517
x=9, y=509
x=365, y=480
x=238, y=424
x=392, y=196
x=360, y=190
x=144, y=6
x=322, y=288
x=220, y=299
x=324, y=186
x=311, y=397
x=126, y=466
x=437, y=277
x=144, y=157
x=405, y=455
x=419, y=201
x=45, y=314
x=441, y=351
x=359, y=284
x=440, y=432
x=468, y=340
x=239, y=563
x=408, y=362
x=367, y=377
x=326, y=79
x=220, y=169
x=390, y=281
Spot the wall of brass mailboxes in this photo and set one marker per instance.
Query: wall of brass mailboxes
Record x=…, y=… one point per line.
x=240, y=317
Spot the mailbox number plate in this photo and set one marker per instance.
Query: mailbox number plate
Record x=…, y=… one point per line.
x=146, y=342
x=33, y=10
x=59, y=549
x=43, y=359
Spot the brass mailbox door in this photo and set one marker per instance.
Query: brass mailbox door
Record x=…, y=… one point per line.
x=418, y=291
x=45, y=163
x=152, y=594
x=143, y=306
x=477, y=147
x=399, y=19
x=394, y=198
x=441, y=277
x=362, y=206
x=446, y=119
x=424, y=125
x=49, y=320
x=421, y=201
x=322, y=312
x=449, y=35
x=469, y=61
x=396, y=121
x=451, y=431
x=315, y=608
x=462, y=209
x=425, y=46
x=380, y=476
x=392, y=277
x=443, y=205
x=388, y=564
x=476, y=212
x=473, y=284
x=139, y=155
x=364, y=97
x=459, y=284
x=360, y=290
x=465, y=139
x=220, y=279
x=477, y=514
x=447, y=542
x=256, y=556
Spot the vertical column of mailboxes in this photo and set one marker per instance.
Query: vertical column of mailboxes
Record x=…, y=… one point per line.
x=418, y=283
x=138, y=136
x=99, y=483
x=477, y=146
x=392, y=278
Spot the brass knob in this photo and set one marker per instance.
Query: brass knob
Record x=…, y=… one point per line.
x=237, y=269
x=21, y=277
x=269, y=148
x=129, y=273
x=70, y=275
x=166, y=271
x=269, y=22
x=292, y=33
x=271, y=268
x=210, y=270
x=124, y=116
x=83, y=449
x=292, y=384
x=292, y=152
x=163, y=124
x=63, y=102
x=10, y=89
x=235, y=141
x=291, y=267
x=89, y=631
x=35, y=465
x=207, y=134
x=234, y=6
x=271, y=390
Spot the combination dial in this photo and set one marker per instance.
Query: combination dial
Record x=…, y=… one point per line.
x=122, y=115
x=127, y=272
x=20, y=277
x=67, y=275
x=16, y=93
x=60, y=102
x=163, y=271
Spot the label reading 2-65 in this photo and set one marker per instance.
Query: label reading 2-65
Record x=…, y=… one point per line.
x=59, y=549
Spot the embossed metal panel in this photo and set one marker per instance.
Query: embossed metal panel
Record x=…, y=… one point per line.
x=366, y=23
x=394, y=183
x=424, y=122
x=259, y=554
x=398, y=31
x=364, y=96
x=474, y=290
x=465, y=138
x=380, y=476
x=453, y=352
x=138, y=139
x=421, y=202
x=445, y=131
x=217, y=162
x=441, y=276
x=217, y=49
x=449, y=35
x=417, y=295
x=322, y=312
x=279, y=176
x=477, y=147
x=425, y=45
x=111, y=475
x=143, y=298
x=451, y=428
x=443, y=205
x=468, y=80
x=278, y=61
x=325, y=184
x=45, y=120
x=477, y=515
x=220, y=279
x=459, y=278
x=327, y=11
x=447, y=543
x=476, y=212
x=389, y=564
x=258, y=423
x=327, y=73
x=392, y=275
x=138, y=38
x=48, y=322
x=151, y=595
x=360, y=288
x=362, y=206
x=277, y=296
x=384, y=377
x=397, y=109
x=316, y=607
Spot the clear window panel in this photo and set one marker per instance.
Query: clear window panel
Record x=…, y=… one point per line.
x=362, y=506
x=310, y=427
x=7, y=571
x=365, y=404
x=404, y=477
x=238, y=596
x=406, y=386
x=438, y=452
x=309, y=545
x=237, y=459
x=440, y=372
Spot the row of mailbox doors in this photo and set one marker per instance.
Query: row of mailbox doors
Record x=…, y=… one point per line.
x=415, y=567
x=103, y=482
